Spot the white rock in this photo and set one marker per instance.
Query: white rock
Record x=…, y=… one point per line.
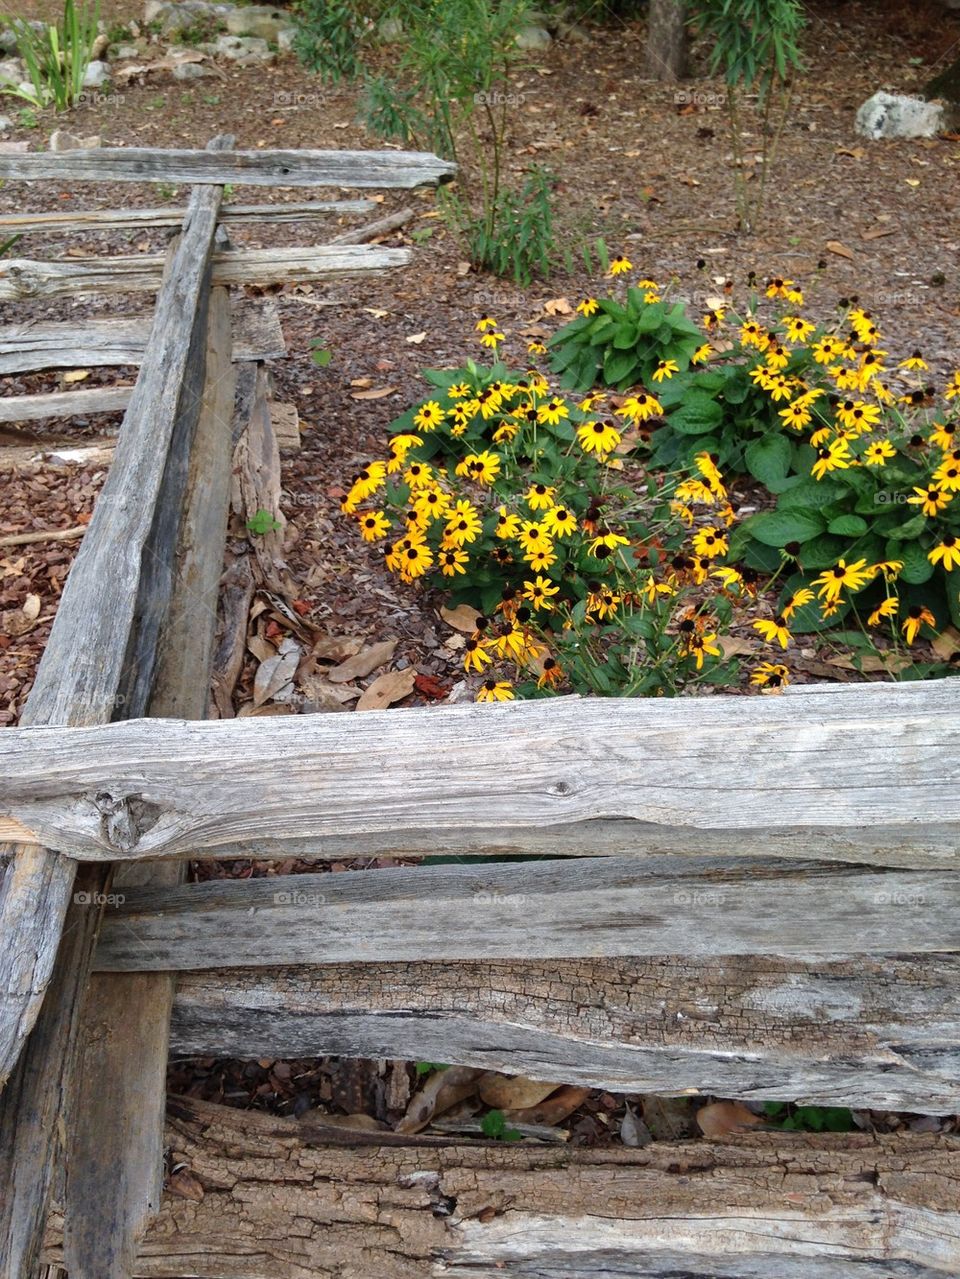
x=191, y=71
x=899, y=115
x=534, y=38
x=390, y=30
x=96, y=74
x=246, y=49
x=285, y=39
x=12, y=69
x=61, y=140
x=120, y=51
x=257, y=20
x=5, y=123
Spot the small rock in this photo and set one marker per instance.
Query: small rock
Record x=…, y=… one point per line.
x=191, y=71
x=246, y=50
x=96, y=75
x=285, y=39
x=573, y=32
x=61, y=140
x=257, y=20
x=899, y=115
x=5, y=123
x=117, y=52
x=390, y=30
x=12, y=70
x=534, y=38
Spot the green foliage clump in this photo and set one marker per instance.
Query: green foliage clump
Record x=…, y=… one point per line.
x=56, y=58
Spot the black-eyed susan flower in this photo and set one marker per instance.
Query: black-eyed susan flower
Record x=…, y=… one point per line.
x=710, y=542
x=463, y=524
x=889, y=569
x=932, y=499
x=419, y=475
x=608, y=542
x=539, y=497
x=589, y=402
x=475, y=654
x=640, y=407
x=492, y=339
x=858, y=415
x=770, y=676
x=773, y=630
x=945, y=434
x=797, y=329
x=603, y=603
x=699, y=646
x=553, y=411
x=484, y=323
x=947, y=475
x=415, y=560
x=916, y=618
x=887, y=608
x=430, y=504
x=460, y=391
x=835, y=456
x=374, y=526
x=550, y=673
x=797, y=600
x=541, y=558
x=946, y=552
x=665, y=370
x=493, y=690
x=620, y=265
x=878, y=453
x=598, y=437
x=588, y=306
x=559, y=521
x=507, y=525
x=842, y=575
x=796, y=415
x=482, y=468
x=540, y=592
x=533, y=536
x=429, y=416
x=702, y=353
x=952, y=389
x=452, y=561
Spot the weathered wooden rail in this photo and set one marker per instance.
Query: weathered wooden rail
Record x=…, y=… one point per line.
x=751, y=898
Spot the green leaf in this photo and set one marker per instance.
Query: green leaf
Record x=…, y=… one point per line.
x=768, y=458
x=697, y=415
x=848, y=526
x=261, y=523
x=617, y=366
x=777, y=528
x=321, y=356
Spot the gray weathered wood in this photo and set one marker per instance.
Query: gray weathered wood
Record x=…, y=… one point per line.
x=99, y=663
x=172, y=216
x=542, y=910
x=363, y=234
x=32, y=408
x=356, y=169
x=23, y=278
x=880, y=1031
x=279, y=1204
x=115, y=1160
x=99, y=340
x=837, y=776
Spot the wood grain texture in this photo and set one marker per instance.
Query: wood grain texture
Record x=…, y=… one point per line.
x=171, y=216
x=105, y=340
x=279, y=1205
x=115, y=1162
x=98, y=663
x=876, y=1031
x=837, y=776
x=22, y=278
x=380, y=170
x=33, y=408
x=544, y=910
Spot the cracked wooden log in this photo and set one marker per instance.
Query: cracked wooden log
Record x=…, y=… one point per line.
x=141, y=273
x=577, y=908
x=381, y=170
x=269, y=1200
x=99, y=662
x=135, y=219
x=866, y=773
x=878, y=1031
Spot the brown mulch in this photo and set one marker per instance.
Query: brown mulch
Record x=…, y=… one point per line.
x=647, y=172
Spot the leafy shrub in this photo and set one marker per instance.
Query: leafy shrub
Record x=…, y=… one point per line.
x=330, y=34
x=597, y=537
x=56, y=58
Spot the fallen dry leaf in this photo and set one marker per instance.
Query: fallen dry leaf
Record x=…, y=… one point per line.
x=878, y=232
x=31, y=608
x=841, y=250
x=363, y=663
x=392, y=686
x=462, y=618
x=944, y=645
x=731, y=646
x=552, y=1110
x=558, y=306
x=721, y=1118
x=274, y=678
x=416, y=338
x=516, y=1093
x=633, y=1131
x=377, y=393
x=442, y=1090
x=336, y=648
x=76, y=375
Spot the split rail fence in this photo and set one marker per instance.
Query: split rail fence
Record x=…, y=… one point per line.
x=751, y=898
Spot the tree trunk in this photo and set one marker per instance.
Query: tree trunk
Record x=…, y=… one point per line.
x=667, y=41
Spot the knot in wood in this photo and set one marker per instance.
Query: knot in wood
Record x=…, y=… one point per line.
x=124, y=820
x=561, y=788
